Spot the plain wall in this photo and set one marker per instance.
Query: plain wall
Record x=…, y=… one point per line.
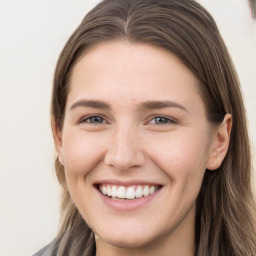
x=32, y=34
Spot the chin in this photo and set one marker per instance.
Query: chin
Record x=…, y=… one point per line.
x=127, y=233
x=128, y=236
x=128, y=242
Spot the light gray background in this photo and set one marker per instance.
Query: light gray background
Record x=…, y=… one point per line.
x=32, y=33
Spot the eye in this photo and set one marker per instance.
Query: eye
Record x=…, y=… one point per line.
x=93, y=120
x=161, y=120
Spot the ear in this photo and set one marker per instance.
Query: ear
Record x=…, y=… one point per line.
x=219, y=143
x=57, y=136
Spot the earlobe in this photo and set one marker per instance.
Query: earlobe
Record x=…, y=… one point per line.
x=57, y=136
x=60, y=160
x=220, y=143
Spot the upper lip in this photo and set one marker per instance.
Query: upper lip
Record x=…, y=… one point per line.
x=126, y=183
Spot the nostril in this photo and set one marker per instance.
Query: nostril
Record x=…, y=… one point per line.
x=124, y=159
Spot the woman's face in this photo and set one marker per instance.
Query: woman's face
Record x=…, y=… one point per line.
x=135, y=129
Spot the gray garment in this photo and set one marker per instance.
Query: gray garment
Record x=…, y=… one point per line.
x=45, y=251
x=49, y=249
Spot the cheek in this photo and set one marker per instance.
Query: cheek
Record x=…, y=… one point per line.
x=183, y=159
x=183, y=155
x=81, y=153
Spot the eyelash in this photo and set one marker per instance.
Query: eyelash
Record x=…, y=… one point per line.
x=85, y=120
x=167, y=120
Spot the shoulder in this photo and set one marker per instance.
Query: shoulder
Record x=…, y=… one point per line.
x=45, y=251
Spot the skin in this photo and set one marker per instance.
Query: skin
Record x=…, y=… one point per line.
x=128, y=143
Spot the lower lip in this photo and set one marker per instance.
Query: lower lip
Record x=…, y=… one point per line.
x=127, y=205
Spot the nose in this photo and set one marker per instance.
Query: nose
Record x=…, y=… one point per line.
x=124, y=150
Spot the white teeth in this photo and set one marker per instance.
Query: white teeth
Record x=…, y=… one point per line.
x=130, y=193
x=109, y=191
x=104, y=190
x=121, y=192
x=146, y=191
x=114, y=191
x=127, y=192
x=138, y=193
x=151, y=190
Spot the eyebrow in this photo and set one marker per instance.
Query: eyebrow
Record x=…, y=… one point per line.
x=151, y=105
x=147, y=105
x=91, y=103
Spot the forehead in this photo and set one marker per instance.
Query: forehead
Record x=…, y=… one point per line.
x=132, y=72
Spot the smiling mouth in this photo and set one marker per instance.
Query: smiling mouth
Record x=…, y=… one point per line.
x=134, y=192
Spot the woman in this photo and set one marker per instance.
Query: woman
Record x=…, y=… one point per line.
x=150, y=130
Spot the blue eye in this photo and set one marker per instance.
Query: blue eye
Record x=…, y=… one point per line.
x=161, y=120
x=93, y=120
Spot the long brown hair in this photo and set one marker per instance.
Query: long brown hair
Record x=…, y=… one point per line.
x=225, y=211
x=253, y=8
